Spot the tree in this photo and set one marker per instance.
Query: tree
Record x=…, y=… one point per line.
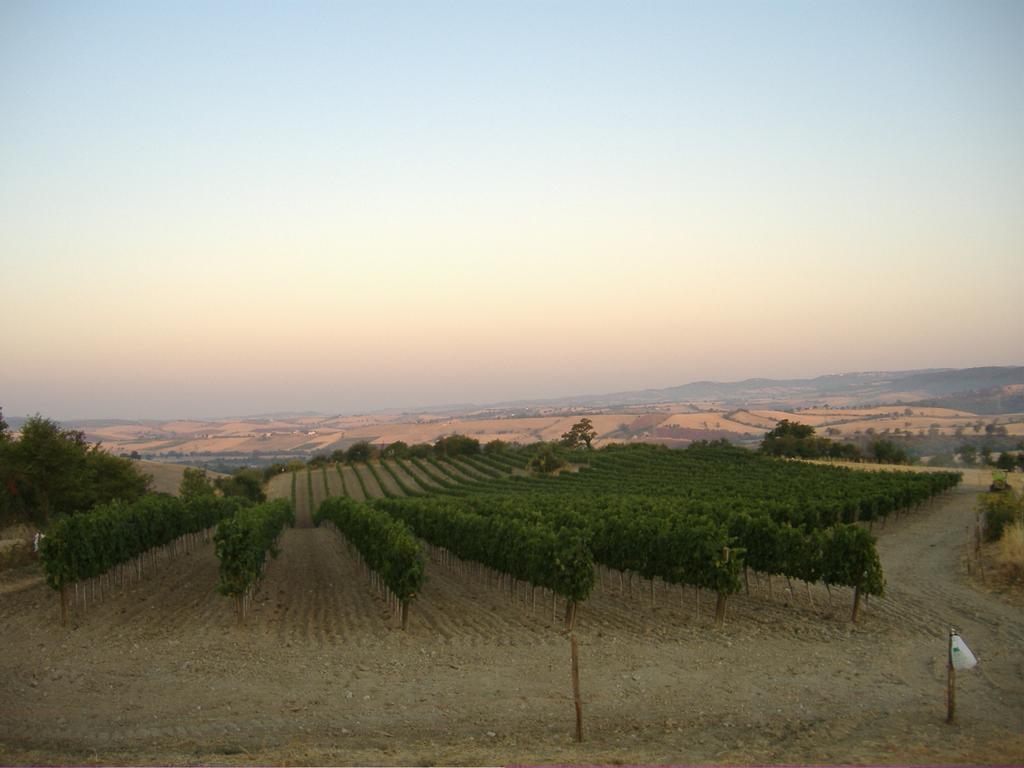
x=359, y=452
x=397, y=450
x=318, y=460
x=195, y=484
x=456, y=445
x=50, y=470
x=245, y=483
x=968, y=454
x=1006, y=461
x=986, y=455
x=887, y=452
x=582, y=433
x=545, y=461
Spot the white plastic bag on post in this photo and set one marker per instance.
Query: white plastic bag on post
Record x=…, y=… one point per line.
x=962, y=656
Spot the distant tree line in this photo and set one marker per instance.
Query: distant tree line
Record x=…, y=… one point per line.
x=795, y=440
x=362, y=451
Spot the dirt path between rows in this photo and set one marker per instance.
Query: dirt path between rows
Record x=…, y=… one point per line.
x=322, y=673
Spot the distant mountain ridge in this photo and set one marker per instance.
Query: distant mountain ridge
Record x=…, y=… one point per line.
x=860, y=388
x=987, y=389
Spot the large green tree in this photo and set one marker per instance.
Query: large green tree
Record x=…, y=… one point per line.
x=456, y=445
x=50, y=470
x=195, y=484
x=245, y=483
x=581, y=434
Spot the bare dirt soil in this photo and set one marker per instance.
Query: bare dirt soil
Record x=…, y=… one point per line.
x=322, y=674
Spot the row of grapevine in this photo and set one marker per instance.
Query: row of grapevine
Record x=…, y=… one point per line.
x=387, y=548
x=529, y=551
x=405, y=488
x=114, y=543
x=722, y=477
x=660, y=538
x=242, y=544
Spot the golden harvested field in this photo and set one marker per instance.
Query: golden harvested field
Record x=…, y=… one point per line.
x=167, y=477
x=888, y=410
x=306, y=435
x=714, y=420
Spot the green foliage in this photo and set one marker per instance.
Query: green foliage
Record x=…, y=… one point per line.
x=545, y=461
x=245, y=483
x=50, y=470
x=672, y=514
x=581, y=434
x=999, y=510
x=496, y=446
x=406, y=489
x=386, y=544
x=243, y=541
x=787, y=428
x=195, y=484
x=421, y=450
x=456, y=445
x=318, y=460
x=83, y=546
x=849, y=558
x=968, y=454
x=795, y=440
x=397, y=450
x=372, y=466
x=887, y=452
x=359, y=452
x=530, y=550
x=273, y=470
x=361, y=481
x=1007, y=461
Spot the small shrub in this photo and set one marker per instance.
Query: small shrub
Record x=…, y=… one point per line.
x=1000, y=510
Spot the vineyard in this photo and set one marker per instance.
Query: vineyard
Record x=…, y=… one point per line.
x=709, y=518
x=641, y=551
x=706, y=519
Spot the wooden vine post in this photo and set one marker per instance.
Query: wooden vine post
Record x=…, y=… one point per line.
x=405, y=615
x=958, y=656
x=64, y=605
x=720, y=604
x=856, y=604
x=576, y=686
x=950, y=680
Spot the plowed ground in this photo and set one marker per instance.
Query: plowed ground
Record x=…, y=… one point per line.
x=322, y=674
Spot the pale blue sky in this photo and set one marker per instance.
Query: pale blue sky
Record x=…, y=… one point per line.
x=403, y=203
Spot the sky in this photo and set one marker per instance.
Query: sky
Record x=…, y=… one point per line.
x=240, y=208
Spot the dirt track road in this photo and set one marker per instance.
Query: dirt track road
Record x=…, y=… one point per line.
x=321, y=673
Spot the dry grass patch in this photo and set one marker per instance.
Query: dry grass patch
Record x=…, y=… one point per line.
x=1009, y=554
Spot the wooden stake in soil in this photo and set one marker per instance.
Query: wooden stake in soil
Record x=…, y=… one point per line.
x=576, y=687
x=856, y=603
x=950, y=680
x=63, y=605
